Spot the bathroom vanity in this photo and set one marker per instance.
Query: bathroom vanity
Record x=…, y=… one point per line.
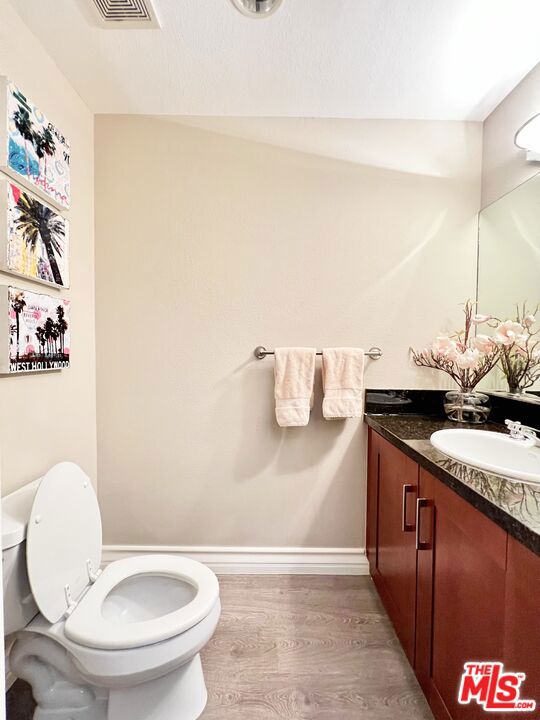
x=455, y=555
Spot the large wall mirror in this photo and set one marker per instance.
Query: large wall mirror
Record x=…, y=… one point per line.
x=509, y=274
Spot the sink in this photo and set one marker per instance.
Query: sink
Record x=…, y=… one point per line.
x=496, y=453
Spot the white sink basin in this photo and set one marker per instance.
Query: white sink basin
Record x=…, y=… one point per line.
x=493, y=452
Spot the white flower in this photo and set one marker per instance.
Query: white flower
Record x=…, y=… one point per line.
x=467, y=359
x=479, y=319
x=529, y=320
x=510, y=332
x=483, y=343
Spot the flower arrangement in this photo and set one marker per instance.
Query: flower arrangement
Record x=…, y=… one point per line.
x=467, y=358
x=519, y=349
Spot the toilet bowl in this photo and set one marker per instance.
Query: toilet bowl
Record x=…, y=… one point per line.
x=117, y=644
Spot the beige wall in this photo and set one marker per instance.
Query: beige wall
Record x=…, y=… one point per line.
x=504, y=165
x=51, y=417
x=208, y=245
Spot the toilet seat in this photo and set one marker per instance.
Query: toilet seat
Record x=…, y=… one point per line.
x=63, y=540
x=64, y=548
x=87, y=625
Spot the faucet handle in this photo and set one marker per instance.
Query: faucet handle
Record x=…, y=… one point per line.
x=514, y=426
x=521, y=432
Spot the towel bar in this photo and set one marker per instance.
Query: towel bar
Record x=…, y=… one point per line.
x=261, y=352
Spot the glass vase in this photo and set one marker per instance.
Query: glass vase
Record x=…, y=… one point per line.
x=467, y=406
x=515, y=390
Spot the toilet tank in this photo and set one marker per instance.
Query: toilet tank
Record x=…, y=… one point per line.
x=19, y=605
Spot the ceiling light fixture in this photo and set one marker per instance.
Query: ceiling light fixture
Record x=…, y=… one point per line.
x=257, y=8
x=528, y=138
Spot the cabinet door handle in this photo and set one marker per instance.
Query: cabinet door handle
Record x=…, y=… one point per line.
x=405, y=526
x=423, y=544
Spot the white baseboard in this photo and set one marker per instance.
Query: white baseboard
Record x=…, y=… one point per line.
x=257, y=560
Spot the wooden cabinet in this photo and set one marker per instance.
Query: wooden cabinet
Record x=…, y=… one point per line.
x=455, y=585
x=393, y=493
x=372, y=501
x=522, y=617
x=469, y=576
x=424, y=578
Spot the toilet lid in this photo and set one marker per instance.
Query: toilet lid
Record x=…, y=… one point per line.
x=63, y=539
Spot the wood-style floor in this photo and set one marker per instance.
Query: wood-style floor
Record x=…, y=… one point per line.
x=299, y=647
x=310, y=648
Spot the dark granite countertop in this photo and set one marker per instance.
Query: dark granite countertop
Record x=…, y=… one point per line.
x=513, y=505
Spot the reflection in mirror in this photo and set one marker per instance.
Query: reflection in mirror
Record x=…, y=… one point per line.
x=509, y=269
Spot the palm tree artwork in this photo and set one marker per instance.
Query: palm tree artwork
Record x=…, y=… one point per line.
x=40, y=335
x=23, y=124
x=61, y=326
x=45, y=147
x=43, y=232
x=50, y=332
x=37, y=149
x=17, y=305
x=43, y=322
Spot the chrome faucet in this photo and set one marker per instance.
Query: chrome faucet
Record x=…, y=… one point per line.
x=521, y=432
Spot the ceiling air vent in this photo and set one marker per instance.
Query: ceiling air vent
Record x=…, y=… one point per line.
x=134, y=14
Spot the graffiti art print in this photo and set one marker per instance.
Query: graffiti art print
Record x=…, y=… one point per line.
x=38, y=332
x=32, y=149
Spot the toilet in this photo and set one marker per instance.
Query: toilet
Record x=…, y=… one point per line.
x=120, y=643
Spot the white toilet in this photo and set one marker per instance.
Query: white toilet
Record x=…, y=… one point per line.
x=122, y=644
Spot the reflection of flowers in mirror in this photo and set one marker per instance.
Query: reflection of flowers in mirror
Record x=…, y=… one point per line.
x=519, y=349
x=510, y=332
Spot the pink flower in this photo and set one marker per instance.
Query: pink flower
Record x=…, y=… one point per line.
x=483, y=343
x=479, y=319
x=445, y=346
x=467, y=359
x=529, y=320
x=509, y=332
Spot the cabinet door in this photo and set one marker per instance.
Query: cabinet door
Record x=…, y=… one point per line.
x=425, y=533
x=372, y=499
x=522, y=623
x=395, y=576
x=468, y=599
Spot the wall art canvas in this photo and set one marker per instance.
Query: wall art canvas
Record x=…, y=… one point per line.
x=34, y=238
x=36, y=332
x=32, y=149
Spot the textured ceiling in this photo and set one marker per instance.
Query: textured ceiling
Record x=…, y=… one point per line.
x=418, y=59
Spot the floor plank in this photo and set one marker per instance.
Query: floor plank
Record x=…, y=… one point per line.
x=297, y=647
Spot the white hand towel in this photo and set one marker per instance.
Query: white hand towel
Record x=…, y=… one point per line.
x=343, y=381
x=294, y=372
